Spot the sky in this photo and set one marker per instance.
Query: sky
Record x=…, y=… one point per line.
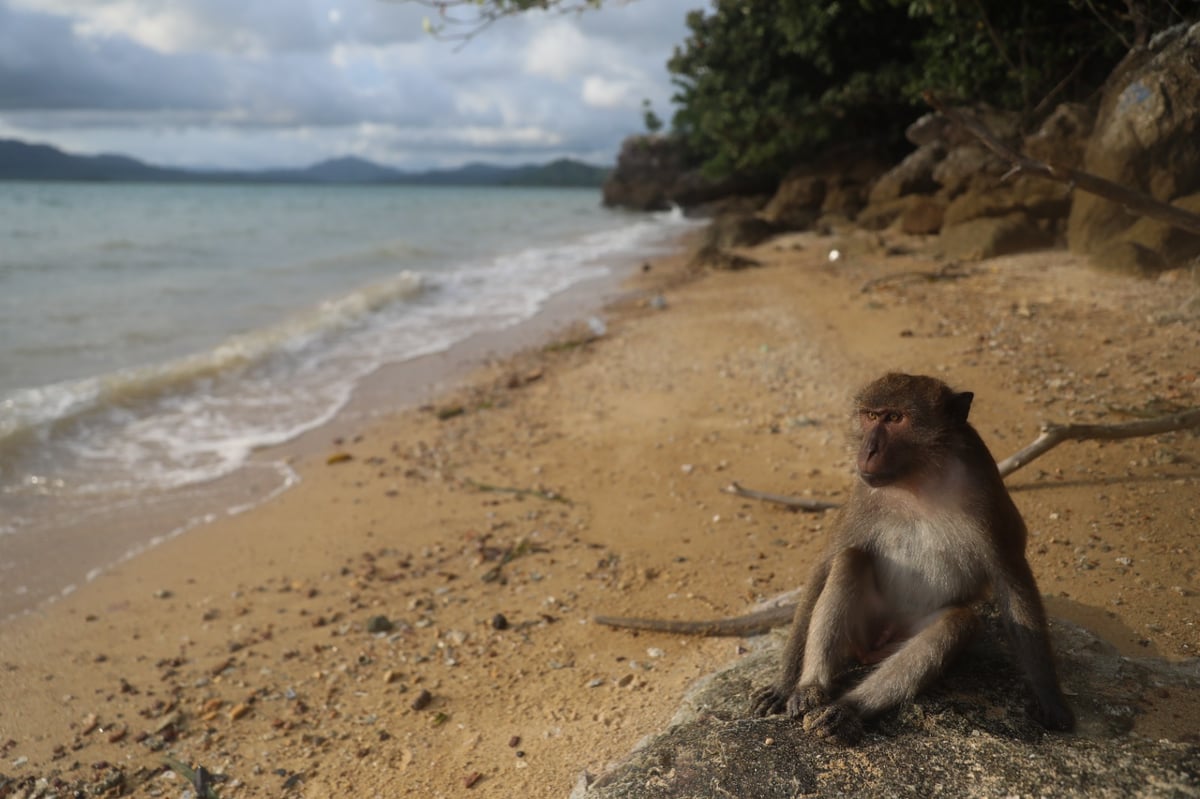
x=283, y=83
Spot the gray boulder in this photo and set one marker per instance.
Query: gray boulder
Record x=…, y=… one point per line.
x=968, y=736
x=1146, y=137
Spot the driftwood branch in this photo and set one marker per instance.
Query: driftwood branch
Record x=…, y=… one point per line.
x=808, y=505
x=549, y=496
x=1133, y=201
x=1054, y=434
x=1051, y=436
x=951, y=271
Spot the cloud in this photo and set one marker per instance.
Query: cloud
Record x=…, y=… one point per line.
x=231, y=83
x=604, y=93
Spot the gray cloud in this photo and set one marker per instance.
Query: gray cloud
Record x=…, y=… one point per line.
x=230, y=83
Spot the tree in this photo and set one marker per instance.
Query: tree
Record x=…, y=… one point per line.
x=652, y=120
x=762, y=86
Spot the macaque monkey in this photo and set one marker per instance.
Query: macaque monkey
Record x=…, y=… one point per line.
x=928, y=531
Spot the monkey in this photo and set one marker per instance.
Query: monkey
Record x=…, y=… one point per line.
x=929, y=530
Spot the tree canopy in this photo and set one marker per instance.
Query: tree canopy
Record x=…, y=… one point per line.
x=762, y=86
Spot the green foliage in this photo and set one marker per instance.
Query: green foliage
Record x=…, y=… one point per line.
x=759, y=83
x=762, y=85
x=652, y=120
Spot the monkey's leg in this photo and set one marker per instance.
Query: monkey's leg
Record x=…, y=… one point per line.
x=900, y=677
x=774, y=698
x=842, y=623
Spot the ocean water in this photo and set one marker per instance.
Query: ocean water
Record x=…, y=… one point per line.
x=153, y=337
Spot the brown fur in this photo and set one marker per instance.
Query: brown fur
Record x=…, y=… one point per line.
x=929, y=530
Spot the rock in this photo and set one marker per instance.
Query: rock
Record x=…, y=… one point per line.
x=988, y=237
x=966, y=165
x=923, y=216
x=739, y=230
x=653, y=173
x=1128, y=258
x=1062, y=138
x=712, y=257
x=1036, y=197
x=878, y=216
x=646, y=171
x=1146, y=137
x=379, y=624
x=1170, y=245
x=967, y=736
x=797, y=202
x=913, y=175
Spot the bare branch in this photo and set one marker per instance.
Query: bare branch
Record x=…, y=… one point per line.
x=1054, y=434
x=807, y=505
x=1133, y=201
x=951, y=271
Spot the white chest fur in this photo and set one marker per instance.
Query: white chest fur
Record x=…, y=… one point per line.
x=929, y=551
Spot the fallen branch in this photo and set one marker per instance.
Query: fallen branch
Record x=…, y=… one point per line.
x=1133, y=201
x=549, y=496
x=948, y=272
x=1051, y=436
x=807, y=505
x=1054, y=434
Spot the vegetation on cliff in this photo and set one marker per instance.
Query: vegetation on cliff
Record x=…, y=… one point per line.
x=764, y=86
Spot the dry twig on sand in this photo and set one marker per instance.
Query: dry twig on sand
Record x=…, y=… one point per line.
x=1054, y=434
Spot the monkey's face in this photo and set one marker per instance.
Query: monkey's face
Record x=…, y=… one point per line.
x=885, y=454
x=906, y=426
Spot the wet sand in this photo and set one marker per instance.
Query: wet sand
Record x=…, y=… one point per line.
x=414, y=618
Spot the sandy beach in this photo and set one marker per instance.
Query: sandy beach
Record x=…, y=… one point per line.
x=413, y=619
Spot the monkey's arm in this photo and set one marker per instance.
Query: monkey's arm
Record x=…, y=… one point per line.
x=1020, y=604
x=751, y=624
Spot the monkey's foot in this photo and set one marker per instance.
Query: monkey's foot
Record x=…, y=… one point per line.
x=806, y=699
x=837, y=723
x=1052, y=714
x=768, y=701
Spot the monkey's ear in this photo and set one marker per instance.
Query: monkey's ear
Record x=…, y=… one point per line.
x=960, y=405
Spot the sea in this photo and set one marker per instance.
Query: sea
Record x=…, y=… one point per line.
x=156, y=339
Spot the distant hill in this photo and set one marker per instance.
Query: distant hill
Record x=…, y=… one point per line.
x=23, y=161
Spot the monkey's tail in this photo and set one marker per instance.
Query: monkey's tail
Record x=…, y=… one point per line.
x=755, y=623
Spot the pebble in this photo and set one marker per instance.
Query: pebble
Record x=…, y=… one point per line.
x=422, y=701
x=499, y=622
x=379, y=624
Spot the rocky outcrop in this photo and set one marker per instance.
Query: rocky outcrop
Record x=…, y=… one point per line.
x=834, y=188
x=653, y=174
x=966, y=737
x=953, y=186
x=647, y=169
x=1147, y=138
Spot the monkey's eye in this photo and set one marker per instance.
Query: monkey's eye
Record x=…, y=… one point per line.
x=872, y=416
x=891, y=417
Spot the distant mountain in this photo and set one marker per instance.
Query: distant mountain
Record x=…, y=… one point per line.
x=23, y=161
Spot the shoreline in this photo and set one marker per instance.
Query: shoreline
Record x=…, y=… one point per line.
x=253, y=648
x=124, y=530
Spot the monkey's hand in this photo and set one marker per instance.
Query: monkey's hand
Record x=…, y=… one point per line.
x=1053, y=714
x=839, y=722
x=768, y=701
x=807, y=698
